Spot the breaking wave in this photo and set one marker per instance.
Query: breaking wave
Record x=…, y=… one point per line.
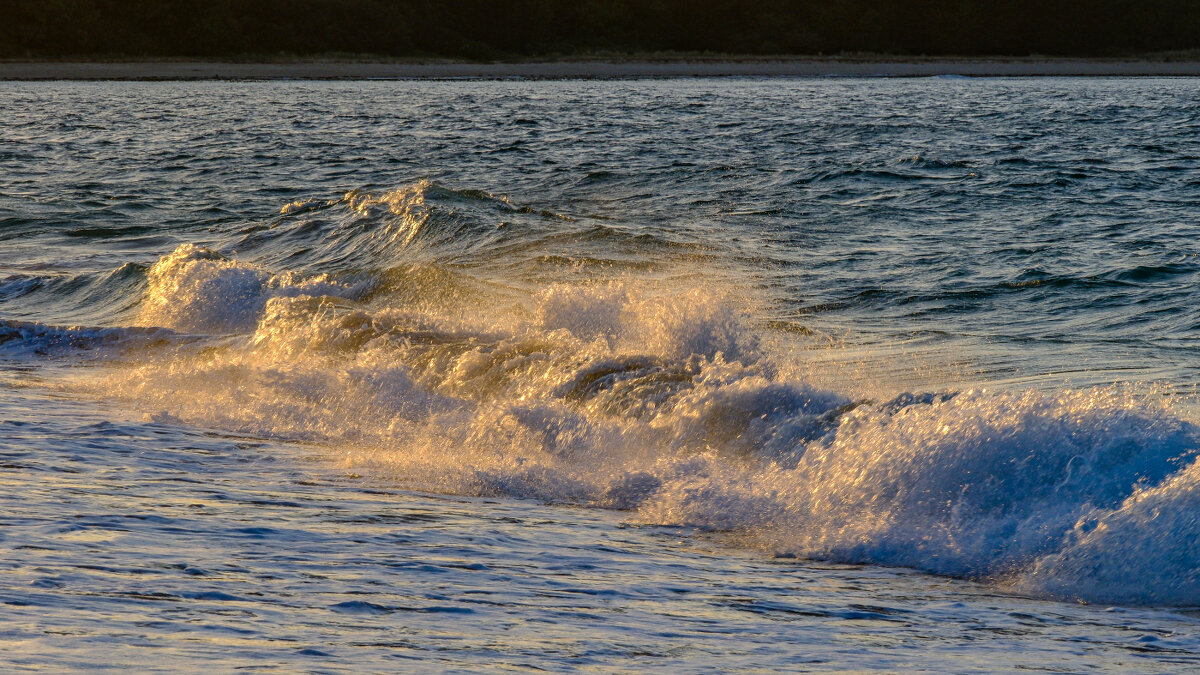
x=358, y=323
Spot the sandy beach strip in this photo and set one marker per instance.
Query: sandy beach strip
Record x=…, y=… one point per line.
x=615, y=69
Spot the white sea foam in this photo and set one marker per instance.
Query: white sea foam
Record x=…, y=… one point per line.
x=199, y=290
x=981, y=485
x=663, y=402
x=1147, y=550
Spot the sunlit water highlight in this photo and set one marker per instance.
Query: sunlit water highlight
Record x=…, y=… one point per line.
x=317, y=375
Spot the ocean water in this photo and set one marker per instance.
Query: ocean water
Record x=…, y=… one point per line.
x=683, y=375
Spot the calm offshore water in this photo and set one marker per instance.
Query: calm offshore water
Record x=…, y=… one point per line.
x=754, y=375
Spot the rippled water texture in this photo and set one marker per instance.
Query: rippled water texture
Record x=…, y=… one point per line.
x=748, y=374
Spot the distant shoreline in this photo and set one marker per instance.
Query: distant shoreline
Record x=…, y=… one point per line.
x=589, y=69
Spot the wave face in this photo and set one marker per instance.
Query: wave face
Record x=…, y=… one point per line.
x=681, y=364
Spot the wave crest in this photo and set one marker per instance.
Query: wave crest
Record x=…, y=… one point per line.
x=199, y=290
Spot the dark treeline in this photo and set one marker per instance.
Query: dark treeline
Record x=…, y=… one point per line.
x=498, y=29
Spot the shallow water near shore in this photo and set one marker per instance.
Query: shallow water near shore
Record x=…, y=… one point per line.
x=737, y=374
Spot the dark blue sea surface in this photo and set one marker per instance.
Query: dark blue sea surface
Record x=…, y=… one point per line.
x=848, y=374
